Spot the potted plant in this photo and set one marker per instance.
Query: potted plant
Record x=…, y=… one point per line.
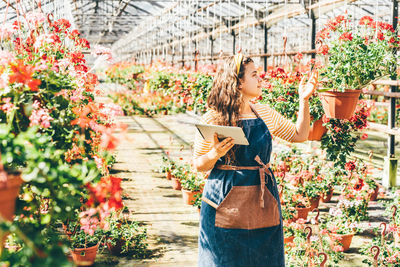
x=340, y=232
x=84, y=246
x=298, y=202
x=192, y=185
x=177, y=174
x=168, y=166
x=124, y=236
x=355, y=55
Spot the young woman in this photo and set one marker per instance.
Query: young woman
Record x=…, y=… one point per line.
x=240, y=218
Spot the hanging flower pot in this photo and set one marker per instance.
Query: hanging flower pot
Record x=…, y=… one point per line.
x=339, y=105
x=325, y=198
x=316, y=131
x=189, y=197
x=9, y=190
x=176, y=183
x=343, y=240
x=314, y=202
x=84, y=256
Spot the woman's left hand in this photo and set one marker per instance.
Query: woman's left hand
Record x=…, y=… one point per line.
x=306, y=90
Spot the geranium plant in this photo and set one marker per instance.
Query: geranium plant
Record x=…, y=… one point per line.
x=356, y=54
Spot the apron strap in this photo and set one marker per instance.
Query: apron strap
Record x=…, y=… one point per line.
x=209, y=202
x=263, y=170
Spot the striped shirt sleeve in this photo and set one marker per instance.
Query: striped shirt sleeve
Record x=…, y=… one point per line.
x=277, y=124
x=202, y=146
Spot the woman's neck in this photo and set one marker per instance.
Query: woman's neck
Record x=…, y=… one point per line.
x=246, y=109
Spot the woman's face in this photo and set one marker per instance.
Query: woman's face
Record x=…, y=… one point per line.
x=250, y=84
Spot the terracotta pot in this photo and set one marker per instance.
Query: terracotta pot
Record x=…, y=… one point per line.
x=168, y=175
x=189, y=196
x=84, y=256
x=288, y=240
x=8, y=193
x=317, y=131
x=117, y=248
x=344, y=240
x=339, y=105
x=325, y=198
x=176, y=183
x=302, y=213
x=314, y=202
x=373, y=196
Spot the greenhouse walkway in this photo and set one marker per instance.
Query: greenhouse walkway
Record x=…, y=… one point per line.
x=172, y=225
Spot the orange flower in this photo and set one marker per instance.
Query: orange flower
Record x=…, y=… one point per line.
x=23, y=74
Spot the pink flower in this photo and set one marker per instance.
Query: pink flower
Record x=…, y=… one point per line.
x=5, y=56
x=99, y=161
x=7, y=107
x=40, y=117
x=338, y=248
x=88, y=221
x=35, y=18
x=6, y=30
x=301, y=221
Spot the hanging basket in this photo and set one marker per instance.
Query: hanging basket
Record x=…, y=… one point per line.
x=316, y=131
x=339, y=105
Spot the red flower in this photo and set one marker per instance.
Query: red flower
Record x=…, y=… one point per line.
x=61, y=24
x=325, y=119
x=346, y=36
x=323, y=49
x=323, y=34
x=364, y=136
x=366, y=20
x=359, y=184
x=23, y=74
x=77, y=57
x=74, y=34
x=350, y=166
x=109, y=190
x=380, y=36
x=298, y=56
x=81, y=67
x=83, y=42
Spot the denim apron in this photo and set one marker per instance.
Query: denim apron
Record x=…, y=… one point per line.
x=240, y=217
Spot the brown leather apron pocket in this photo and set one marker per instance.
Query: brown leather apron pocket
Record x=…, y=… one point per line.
x=241, y=209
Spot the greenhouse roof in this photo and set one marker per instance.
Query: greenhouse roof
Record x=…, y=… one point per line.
x=133, y=27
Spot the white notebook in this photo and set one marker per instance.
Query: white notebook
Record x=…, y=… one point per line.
x=207, y=131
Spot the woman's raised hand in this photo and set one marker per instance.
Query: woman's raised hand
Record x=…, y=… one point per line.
x=221, y=148
x=306, y=90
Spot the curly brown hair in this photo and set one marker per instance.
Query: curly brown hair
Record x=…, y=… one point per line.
x=225, y=98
